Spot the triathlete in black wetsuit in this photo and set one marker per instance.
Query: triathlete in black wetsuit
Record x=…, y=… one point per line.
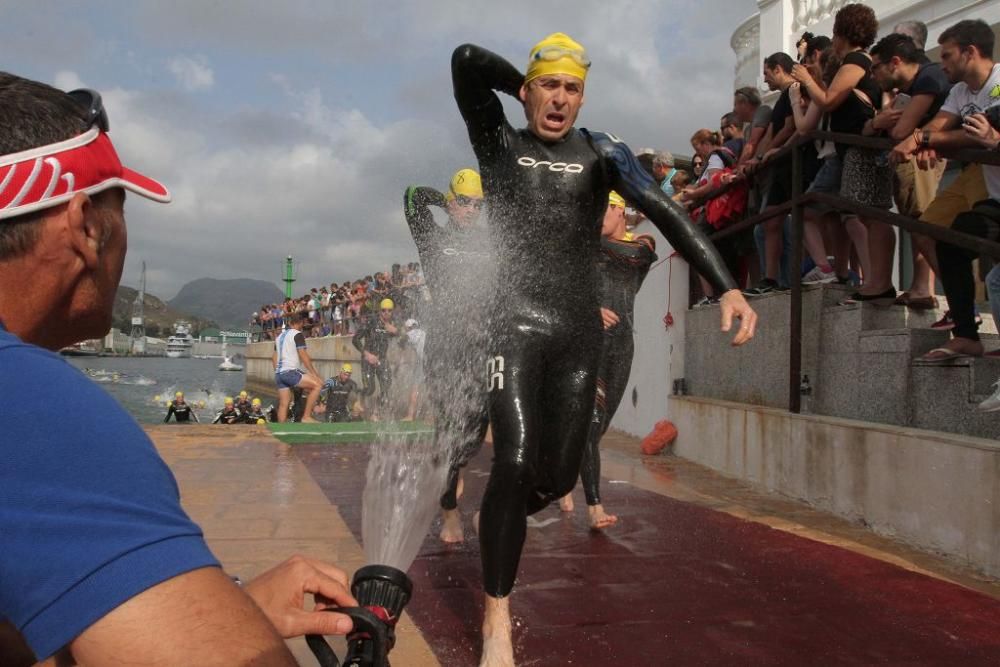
x=338, y=395
x=547, y=190
x=372, y=341
x=228, y=414
x=180, y=410
x=457, y=265
x=622, y=265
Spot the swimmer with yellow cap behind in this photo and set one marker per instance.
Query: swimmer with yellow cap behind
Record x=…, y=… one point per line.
x=456, y=261
x=338, y=391
x=180, y=410
x=229, y=414
x=372, y=341
x=546, y=188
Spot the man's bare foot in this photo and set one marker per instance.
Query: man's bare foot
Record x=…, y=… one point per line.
x=599, y=519
x=566, y=502
x=460, y=487
x=498, y=649
x=308, y=420
x=451, y=531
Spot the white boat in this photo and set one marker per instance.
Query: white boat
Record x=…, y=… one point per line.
x=179, y=345
x=227, y=363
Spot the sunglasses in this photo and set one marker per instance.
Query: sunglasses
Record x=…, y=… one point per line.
x=462, y=200
x=552, y=53
x=91, y=101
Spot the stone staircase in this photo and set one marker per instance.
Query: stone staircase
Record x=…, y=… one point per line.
x=860, y=359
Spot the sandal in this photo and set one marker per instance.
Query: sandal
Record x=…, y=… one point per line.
x=921, y=303
x=943, y=354
x=902, y=300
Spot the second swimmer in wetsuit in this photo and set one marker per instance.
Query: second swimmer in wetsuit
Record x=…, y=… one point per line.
x=372, y=341
x=180, y=410
x=457, y=265
x=547, y=190
x=622, y=265
x=338, y=395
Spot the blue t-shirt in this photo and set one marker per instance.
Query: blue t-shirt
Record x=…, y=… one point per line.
x=90, y=515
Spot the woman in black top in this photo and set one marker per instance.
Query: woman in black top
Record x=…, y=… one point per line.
x=851, y=100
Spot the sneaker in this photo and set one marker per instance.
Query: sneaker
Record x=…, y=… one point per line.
x=947, y=324
x=992, y=404
x=818, y=276
x=765, y=286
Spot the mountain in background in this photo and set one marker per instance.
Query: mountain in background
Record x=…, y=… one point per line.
x=228, y=302
x=159, y=317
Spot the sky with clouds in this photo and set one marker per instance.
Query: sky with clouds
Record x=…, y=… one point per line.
x=294, y=127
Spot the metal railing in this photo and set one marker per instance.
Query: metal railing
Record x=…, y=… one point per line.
x=801, y=200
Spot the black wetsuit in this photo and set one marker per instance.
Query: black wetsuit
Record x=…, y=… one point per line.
x=546, y=203
x=243, y=405
x=254, y=414
x=182, y=412
x=622, y=266
x=457, y=265
x=338, y=396
x=231, y=416
x=373, y=337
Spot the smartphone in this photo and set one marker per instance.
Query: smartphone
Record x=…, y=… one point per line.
x=901, y=100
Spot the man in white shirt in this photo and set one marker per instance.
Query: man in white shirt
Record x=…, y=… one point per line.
x=290, y=356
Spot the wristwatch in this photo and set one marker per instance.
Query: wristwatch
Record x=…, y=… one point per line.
x=925, y=139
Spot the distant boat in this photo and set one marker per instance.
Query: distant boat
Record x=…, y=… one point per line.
x=179, y=345
x=80, y=350
x=227, y=364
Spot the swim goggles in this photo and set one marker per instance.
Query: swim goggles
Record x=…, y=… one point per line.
x=553, y=53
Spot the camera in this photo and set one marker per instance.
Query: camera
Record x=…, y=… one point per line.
x=993, y=116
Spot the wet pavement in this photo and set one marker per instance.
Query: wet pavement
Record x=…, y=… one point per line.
x=700, y=570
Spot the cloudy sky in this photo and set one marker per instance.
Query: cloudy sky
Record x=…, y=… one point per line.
x=294, y=127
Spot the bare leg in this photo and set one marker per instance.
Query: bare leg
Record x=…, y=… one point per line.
x=923, y=276
x=566, y=502
x=284, y=398
x=411, y=410
x=600, y=519
x=840, y=243
x=498, y=648
x=773, y=229
x=881, y=248
x=813, y=241
x=313, y=386
x=460, y=489
x=451, y=531
x=859, y=237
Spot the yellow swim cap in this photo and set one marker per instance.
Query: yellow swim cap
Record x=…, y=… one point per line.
x=229, y=399
x=557, y=54
x=261, y=421
x=243, y=394
x=386, y=303
x=347, y=368
x=255, y=401
x=178, y=394
x=465, y=183
x=615, y=199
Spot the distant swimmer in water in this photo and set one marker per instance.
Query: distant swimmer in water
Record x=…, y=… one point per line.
x=180, y=410
x=255, y=413
x=243, y=402
x=228, y=414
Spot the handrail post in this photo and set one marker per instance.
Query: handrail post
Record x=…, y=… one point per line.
x=795, y=276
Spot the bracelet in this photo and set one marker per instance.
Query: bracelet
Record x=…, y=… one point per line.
x=925, y=139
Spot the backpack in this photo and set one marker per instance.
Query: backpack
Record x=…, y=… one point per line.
x=730, y=206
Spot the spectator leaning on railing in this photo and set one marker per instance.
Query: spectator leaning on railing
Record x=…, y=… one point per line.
x=922, y=87
x=969, y=117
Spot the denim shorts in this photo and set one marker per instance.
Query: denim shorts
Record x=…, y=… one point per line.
x=288, y=379
x=827, y=178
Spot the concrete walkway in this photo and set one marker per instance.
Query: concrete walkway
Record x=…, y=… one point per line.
x=700, y=570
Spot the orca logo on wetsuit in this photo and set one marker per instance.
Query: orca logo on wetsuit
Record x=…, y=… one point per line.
x=568, y=167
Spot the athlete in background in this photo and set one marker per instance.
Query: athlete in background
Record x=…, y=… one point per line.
x=457, y=268
x=622, y=264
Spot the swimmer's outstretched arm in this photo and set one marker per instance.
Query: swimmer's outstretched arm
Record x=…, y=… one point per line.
x=416, y=203
x=475, y=74
x=633, y=182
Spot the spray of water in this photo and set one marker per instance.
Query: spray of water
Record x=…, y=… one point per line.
x=407, y=475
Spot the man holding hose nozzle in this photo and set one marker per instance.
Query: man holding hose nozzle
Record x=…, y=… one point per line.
x=116, y=572
x=456, y=263
x=547, y=190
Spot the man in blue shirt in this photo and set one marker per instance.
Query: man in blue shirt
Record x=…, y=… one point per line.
x=98, y=562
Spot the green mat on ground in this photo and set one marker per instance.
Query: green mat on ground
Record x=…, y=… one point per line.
x=301, y=434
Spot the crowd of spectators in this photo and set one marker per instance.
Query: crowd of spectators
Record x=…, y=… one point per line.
x=850, y=84
x=339, y=310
